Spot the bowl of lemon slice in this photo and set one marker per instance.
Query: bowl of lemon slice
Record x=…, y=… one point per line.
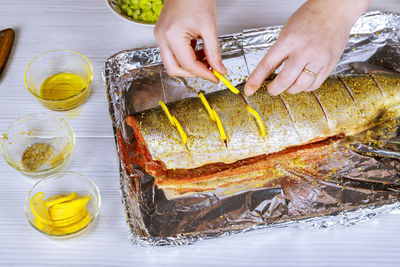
x=63, y=204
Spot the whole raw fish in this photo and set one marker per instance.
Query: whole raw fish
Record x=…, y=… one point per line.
x=342, y=105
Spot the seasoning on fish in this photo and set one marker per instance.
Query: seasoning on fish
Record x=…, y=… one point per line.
x=226, y=82
x=174, y=121
x=213, y=115
x=254, y=112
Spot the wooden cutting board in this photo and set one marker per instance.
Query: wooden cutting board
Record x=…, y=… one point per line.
x=6, y=42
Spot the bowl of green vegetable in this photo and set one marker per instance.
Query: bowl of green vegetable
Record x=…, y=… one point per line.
x=144, y=12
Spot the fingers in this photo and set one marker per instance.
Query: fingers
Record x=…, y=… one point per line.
x=294, y=65
x=323, y=74
x=179, y=24
x=181, y=58
x=272, y=59
x=212, y=51
x=186, y=58
x=171, y=64
x=293, y=76
x=305, y=79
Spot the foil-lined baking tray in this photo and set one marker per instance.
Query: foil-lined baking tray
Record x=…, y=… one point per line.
x=355, y=181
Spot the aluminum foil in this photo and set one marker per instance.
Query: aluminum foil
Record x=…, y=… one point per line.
x=353, y=182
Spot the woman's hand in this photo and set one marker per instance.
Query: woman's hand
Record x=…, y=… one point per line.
x=180, y=22
x=310, y=44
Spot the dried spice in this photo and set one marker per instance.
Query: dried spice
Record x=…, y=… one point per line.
x=36, y=155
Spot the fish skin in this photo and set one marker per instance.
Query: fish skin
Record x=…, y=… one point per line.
x=346, y=104
x=358, y=86
x=338, y=120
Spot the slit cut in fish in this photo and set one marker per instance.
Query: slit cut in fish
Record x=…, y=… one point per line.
x=290, y=115
x=351, y=95
x=320, y=105
x=379, y=86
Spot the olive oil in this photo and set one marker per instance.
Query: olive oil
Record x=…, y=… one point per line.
x=63, y=91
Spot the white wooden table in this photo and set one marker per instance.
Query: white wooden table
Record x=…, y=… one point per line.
x=90, y=28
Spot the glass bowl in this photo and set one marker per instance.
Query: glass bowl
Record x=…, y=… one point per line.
x=60, y=79
x=115, y=8
x=44, y=129
x=63, y=183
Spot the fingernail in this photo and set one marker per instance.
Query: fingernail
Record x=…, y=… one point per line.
x=223, y=68
x=249, y=90
x=293, y=91
x=214, y=80
x=272, y=92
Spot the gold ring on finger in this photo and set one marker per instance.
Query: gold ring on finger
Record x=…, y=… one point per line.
x=310, y=72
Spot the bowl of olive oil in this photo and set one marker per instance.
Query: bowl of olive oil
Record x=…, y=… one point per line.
x=59, y=79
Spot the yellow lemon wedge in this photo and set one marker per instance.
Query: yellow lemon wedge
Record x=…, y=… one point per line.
x=206, y=104
x=39, y=209
x=219, y=124
x=166, y=110
x=61, y=214
x=213, y=115
x=46, y=228
x=174, y=121
x=253, y=112
x=226, y=82
x=76, y=226
x=71, y=220
x=68, y=209
x=180, y=130
x=60, y=198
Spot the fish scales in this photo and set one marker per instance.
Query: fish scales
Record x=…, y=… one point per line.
x=304, y=119
x=368, y=106
x=333, y=95
x=389, y=86
x=240, y=127
x=273, y=113
x=307, y=115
